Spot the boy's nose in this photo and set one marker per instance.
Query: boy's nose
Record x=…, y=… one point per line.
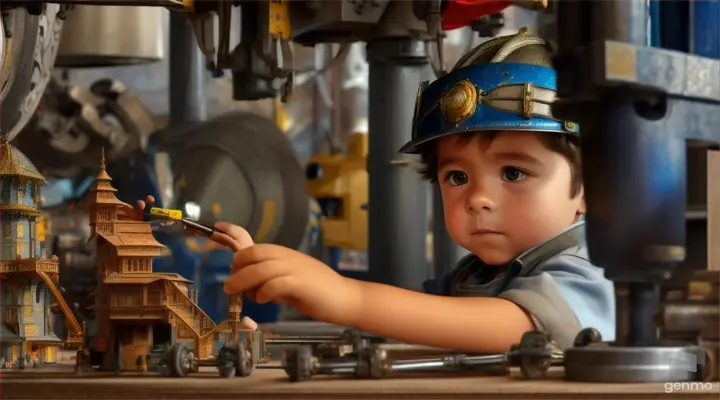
x=480, y=201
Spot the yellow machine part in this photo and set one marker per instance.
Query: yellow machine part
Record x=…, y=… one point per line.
x=343, y=179
x=279, y=19
x=280, y=116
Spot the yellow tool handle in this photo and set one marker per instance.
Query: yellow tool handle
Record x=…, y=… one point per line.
x=165, y=214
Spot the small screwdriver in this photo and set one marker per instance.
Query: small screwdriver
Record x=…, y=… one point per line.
x=165, y=214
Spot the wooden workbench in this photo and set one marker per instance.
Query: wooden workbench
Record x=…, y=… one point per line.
x=61, y=383
x=273, y=384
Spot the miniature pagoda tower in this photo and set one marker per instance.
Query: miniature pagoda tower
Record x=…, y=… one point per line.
x=28, y=279
x=136, y=309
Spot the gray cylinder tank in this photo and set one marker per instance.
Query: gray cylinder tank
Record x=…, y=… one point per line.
x=105, y=36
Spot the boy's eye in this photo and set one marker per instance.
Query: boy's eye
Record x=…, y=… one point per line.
x=513, y=174
x=457, y=178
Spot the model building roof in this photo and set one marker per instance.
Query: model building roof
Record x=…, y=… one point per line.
x=129, y=238
x=14, y=163
x=102, y=191
x=143, y=278
x=134, y=245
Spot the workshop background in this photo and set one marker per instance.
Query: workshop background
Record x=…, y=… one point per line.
x=168, y=93
x=132, y=110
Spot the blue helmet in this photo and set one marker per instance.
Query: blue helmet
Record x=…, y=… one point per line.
x=504, y=84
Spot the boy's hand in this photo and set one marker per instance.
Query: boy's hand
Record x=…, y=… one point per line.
x=234, y=237
x=271, y=273
x=136, y=212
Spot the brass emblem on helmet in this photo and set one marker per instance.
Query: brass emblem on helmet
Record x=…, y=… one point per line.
x=528, y=99
x=459, y=103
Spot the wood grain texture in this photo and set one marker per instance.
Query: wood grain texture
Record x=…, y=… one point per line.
x=713, y=210
x=273, y=384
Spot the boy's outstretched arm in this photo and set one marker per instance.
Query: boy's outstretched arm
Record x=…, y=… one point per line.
x=270, y=273
x=470, y=324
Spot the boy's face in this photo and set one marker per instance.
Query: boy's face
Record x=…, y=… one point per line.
x=505, y=195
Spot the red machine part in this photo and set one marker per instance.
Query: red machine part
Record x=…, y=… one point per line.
x=460, y=13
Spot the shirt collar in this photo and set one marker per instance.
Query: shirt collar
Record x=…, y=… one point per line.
x=572, y=236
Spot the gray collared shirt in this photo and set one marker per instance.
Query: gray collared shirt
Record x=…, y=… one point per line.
x=554, y=282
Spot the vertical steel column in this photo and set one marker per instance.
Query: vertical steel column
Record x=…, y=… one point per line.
x=188, y=74
x=397, y=196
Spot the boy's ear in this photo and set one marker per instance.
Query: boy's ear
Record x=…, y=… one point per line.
x=582, y=210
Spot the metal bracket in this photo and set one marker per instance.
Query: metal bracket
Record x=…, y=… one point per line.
x=279, y=30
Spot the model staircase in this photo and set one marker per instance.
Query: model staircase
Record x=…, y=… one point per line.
x=187, y=311
x=74, y=327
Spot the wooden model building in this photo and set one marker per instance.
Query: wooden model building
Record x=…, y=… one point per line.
x=27, y=277
x=135, y=309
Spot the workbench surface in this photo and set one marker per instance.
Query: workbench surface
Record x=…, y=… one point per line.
x=60, y=383
x=272, y=383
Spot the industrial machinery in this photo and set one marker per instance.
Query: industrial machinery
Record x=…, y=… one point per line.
x=248, y=160
x=339, y=183
x=90, y=36
x=637, y=109
x=76, y=121
x=29, y=37
x=692, y=316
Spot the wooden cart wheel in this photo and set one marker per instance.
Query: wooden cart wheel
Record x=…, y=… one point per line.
x=192, y=362
x=244, y=365
x=179, y=360
x=227, y=371
x=298, y=363
x=226, y=362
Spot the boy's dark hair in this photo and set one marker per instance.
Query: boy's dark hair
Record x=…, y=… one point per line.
x=565, y=145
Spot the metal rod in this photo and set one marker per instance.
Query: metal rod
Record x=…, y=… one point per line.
x=397, y=197
x=475, y=361
x=622, y=20
x=413, y=365
x=338, y=367
x=188, y=74
x=331, y=340
x=643, y=300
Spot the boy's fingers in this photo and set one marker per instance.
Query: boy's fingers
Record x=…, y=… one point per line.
x=237, y=233
x=256, y=254
x=253, y=276
x=234, y=236
x=249, y=323
x=222, y=239
x=139, y=209
x=274, y=289
x=141, y=204
x=250, y=295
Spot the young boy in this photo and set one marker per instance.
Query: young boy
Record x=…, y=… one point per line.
x=512, y=193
